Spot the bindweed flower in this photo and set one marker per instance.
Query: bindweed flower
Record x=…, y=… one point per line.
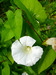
x=23, y=52
x=51, y=41
x=24, y=73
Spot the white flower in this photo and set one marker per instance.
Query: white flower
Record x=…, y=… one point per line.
x=24, y=73
x=23, y=52
x=51, y=41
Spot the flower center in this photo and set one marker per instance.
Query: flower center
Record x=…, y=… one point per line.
x=27, y=49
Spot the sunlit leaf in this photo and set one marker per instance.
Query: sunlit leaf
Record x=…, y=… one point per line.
x=6, y=69
x=47, y=61
x=10, y=57
x=35, y=9
x=6, y=34
x=15, y=22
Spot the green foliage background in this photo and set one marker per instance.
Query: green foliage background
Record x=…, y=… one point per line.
x=35, y=18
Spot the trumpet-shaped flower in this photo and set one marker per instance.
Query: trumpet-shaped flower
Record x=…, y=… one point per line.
x=23, y=51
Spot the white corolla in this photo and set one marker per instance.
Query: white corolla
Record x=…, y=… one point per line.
x=23, y=51
x=51, y=41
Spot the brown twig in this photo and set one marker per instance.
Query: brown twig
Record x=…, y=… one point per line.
x=3, y=61
x=33, y=28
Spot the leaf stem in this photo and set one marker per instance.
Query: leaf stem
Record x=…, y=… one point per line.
x=3, y=61
x=33, y=29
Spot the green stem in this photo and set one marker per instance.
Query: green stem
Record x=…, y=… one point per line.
x=33, y=29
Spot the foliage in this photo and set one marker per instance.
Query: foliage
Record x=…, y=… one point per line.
x=36, y=18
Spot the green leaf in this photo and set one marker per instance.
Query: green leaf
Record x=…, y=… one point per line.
x=1, y=22
x=30, y=71
x=1, y=1
x=18, y=21
x=1, y=25
x=1, y=58
x=47, y=61
x=6, y=69
x=13, y=26
x=0, y=69
x=29, y=15
x=4, y=51
x=15, y=22
x=6, y=34
x=34, y=7
x=14, y=73
x=10, y=57
x=31, y=33
x=6, y=25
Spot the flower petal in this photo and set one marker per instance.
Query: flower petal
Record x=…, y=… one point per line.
x=37, y=51
x=27, y=40
x=16, y=47
x=34, y=56
x=18, y=58
x=54, y=47
x=17, y=53
x=51, y=41
x=30, y=60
